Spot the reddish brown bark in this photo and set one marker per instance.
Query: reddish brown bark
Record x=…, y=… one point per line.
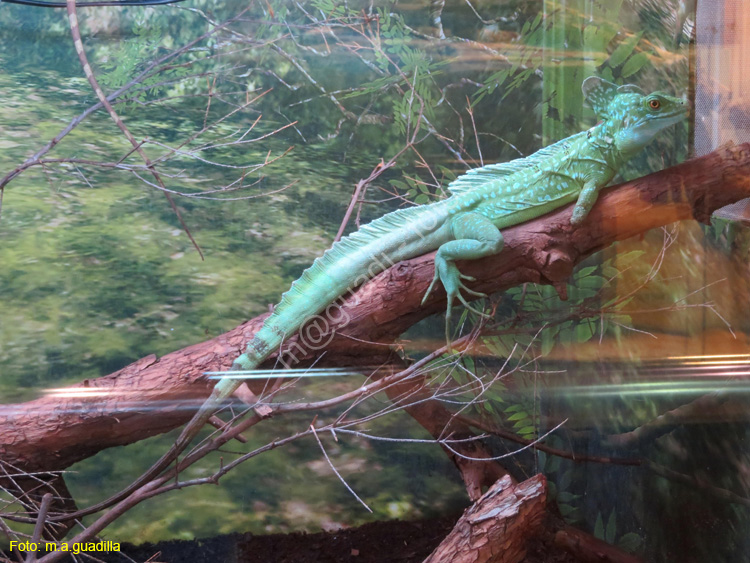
x=497, y=527
x=472, y=458
x=51, y=433
x=588, y=549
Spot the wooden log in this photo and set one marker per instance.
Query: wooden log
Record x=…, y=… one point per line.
x=498, y=526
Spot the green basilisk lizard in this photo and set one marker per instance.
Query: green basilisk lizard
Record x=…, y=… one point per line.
x=465, y=226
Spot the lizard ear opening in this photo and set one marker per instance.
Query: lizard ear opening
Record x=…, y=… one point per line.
x=598, y=94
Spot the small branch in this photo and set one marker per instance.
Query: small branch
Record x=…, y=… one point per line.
x=699, y=484
x=474, y=128
x=333, y=467
x=153, y=68
x=536, y=445
x=76, y=33
x=39, y=526
x=588, y=549
x=219, y=424
x=376, y=172
x=707, y=407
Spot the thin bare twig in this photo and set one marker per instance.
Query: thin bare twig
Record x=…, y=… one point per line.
x=76, y=33
x=333, y=467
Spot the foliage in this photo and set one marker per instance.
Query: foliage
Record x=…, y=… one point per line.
x=96, y=272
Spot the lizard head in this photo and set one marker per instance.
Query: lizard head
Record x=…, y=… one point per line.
x=636, y=117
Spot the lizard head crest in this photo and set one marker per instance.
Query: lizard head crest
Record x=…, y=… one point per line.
x=636, y=116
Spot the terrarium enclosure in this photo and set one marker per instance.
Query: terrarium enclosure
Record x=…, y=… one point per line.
x=540, y=354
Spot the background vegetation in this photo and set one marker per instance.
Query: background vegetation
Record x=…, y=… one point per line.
x=96, y=272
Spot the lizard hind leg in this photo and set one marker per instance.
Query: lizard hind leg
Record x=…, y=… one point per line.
x=474, y=237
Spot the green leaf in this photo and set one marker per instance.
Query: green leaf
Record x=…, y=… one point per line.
x=548, y=343
x=583, y=272
x=624, y=302
x=634, y=64
x=565, y=496
x=553, y=464
x=626, y=258
x=574, y=516
x=595, y=44
x=519, y=416
x=599, y=527
x=630, y=542
x=624, y=50
x=611, y=528
x=542, y=459
x=566, y=509
x=469, y=364
x=565, y=479
x=584, y=332
x=495, y=397
x=447, y=172
x=625, y=320
x=610, y=272
x=552, y=489
x=591, y=282
x=584, y=293
x=537, y=21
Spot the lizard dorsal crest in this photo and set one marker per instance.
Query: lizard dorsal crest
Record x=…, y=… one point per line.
x=598, y=93
x=479, y=177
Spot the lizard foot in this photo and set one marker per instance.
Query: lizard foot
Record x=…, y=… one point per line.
x=450, y=277
x=454, y=292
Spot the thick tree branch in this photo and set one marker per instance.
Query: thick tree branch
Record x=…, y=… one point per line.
x=497, y=527
x=150, y=396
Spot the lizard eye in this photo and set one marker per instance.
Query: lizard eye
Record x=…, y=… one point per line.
x=654, y=104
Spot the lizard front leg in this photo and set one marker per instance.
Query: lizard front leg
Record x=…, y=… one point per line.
x=586, y=200
x=475, y=237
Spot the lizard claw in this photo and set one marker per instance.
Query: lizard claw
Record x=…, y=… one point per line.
x=448, y=274
x=456, y=294
x=451, y=278
x=432, y=285
x=473, y=309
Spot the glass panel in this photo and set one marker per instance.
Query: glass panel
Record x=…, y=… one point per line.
x=145, y=240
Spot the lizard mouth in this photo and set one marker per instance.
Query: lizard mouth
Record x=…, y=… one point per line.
x=680, y=110
x=668, y=118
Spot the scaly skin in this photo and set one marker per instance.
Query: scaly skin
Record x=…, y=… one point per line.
x=465, y=226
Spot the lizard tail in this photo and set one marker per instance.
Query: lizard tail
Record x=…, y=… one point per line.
x=223, y=389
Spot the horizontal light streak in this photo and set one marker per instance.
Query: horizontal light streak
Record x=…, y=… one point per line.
x=653, y=388
x=705, y=356
x=91, y=392
x=287, y=373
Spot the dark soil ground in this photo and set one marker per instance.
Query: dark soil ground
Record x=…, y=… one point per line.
x=379, y=542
